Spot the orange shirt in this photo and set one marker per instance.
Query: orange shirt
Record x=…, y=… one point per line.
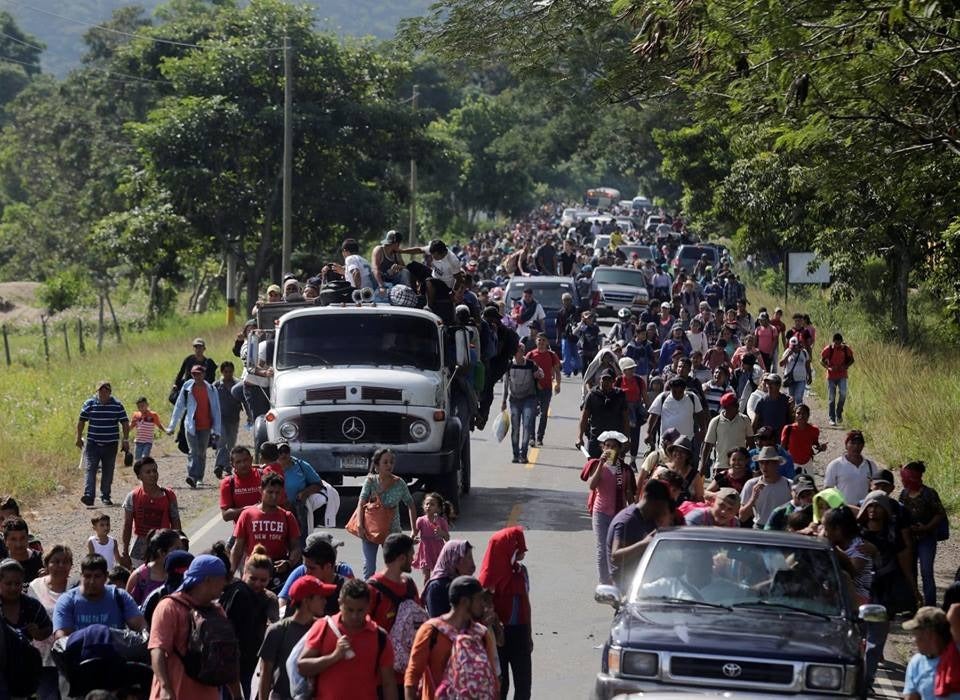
x=358, y=677
x=168, y=631
x=202, y=419
x=429, y=656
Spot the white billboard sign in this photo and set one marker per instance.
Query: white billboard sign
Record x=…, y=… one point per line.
x=805, y=268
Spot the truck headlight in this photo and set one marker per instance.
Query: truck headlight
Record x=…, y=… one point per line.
x=419, y=430
x=289, y=431
x=640, y=299
x=824, y=677
x=639, y=663
x=613, y=661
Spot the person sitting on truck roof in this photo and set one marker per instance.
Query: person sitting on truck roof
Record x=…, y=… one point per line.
x=291, y=290
x=356, y=270
x=388, y=267
x=444, y=267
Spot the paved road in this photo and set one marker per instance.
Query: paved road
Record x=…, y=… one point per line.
x=548, y=499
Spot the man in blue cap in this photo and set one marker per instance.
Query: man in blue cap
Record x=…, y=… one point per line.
x=170, y=635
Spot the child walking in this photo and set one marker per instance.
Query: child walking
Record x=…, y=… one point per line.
x=433, y=531
x=144, y=423
x=101, y=542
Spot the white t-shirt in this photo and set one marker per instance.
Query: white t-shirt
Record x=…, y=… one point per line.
x=675, y=413
x=853, y=481
x=539, y=316
x=698, y=342
x=445, y=269
x=355, y=262
x=725, y=434
x=798, y=364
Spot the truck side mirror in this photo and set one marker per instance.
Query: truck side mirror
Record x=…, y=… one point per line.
x=253, y=347
x=608, y=595
x=461, y=342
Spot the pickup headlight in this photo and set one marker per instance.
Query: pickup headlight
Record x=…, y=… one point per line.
x=640, y=299
x=639, y=663
x=824, y=677
x=289, y=431
x=419, y=430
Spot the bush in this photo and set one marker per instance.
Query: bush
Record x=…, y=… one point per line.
x=65, y=290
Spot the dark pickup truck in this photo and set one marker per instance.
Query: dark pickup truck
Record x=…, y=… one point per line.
x=751, y=613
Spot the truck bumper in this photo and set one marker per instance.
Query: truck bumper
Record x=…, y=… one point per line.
x=608, y=687
x=352, y=460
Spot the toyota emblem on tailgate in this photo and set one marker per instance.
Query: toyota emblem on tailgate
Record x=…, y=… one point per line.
x=732, y=670
x=353, y=428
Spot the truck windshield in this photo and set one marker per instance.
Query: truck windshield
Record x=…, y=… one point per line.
x=343, y=338
x=741, y=575
x=612, y=275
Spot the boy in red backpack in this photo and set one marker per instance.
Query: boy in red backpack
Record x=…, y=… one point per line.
x=454, y=656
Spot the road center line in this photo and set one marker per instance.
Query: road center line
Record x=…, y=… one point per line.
x=532, y=455
x=514, y=516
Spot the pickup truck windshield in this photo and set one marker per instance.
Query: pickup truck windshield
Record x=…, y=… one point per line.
x=775, y=578
x=619, y=276
x=344, y=338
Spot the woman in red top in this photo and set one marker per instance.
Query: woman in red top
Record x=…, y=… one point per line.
x=504, y=575
x=611, y=485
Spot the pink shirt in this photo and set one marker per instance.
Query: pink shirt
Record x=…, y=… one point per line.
x=606, y=501
x=766, y=338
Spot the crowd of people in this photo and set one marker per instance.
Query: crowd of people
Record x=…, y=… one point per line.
x=718, y=393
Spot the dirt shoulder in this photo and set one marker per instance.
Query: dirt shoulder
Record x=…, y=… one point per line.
x=900, y=643
x=61, y=519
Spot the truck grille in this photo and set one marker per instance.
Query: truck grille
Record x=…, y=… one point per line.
x=341, y=428
x=334, y=393
x=713, y=669
x=378, y=393
x=619, y=297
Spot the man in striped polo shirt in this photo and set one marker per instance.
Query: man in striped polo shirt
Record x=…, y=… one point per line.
x=104, y=413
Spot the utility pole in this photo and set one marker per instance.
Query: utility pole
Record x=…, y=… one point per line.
x=287, y=154
x=413, y=181
x=231, y=287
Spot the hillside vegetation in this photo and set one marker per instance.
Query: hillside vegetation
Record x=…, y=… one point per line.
x=64, y=38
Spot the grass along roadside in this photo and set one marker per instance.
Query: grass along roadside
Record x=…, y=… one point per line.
x=41, y=403
x=907, y=403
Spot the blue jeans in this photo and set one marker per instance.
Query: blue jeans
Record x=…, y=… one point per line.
x=571, y=356
x=543, y=408
x=522, y=411
x=877, y=633
x=601, y=525
x=226, y=442
x=926, y=551
x=197, y=459
x=370, y=550
x=102, y=457
x=797, y=390
x=142, y=449
x=835, y=403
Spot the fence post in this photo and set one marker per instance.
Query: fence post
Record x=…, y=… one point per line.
x=46, y=343
x=80, y=345
x=100, y=326
x=66, y=340
x=6, y=344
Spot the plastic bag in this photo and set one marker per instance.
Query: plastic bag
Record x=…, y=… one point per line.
x=501, y=425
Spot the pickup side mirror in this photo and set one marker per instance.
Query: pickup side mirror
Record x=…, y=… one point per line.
x=610, y=595
x=872, y=613
x=253, y=347
x=461, y=342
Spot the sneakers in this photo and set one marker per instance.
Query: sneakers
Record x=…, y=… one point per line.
x=105, y=500
x=532, y=443
x=523, y=459
x=516, y=460
x=833, y=422
x=539, y=443
x=86, y=500
x=191, y=482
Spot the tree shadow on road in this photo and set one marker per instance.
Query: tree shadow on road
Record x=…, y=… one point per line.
x=535, y=509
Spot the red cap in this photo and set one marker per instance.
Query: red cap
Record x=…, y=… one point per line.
x=307, y=586
x=727, y=400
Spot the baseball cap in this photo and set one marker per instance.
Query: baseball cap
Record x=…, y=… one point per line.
x=803, y=483
x=199, y=341
x=274, y=289
x=390, y=238
x=463, y=587
x=608, y=374
x=765, y=432
x=927, y=617
x=103, y=383
x=627, y=363
x=727, y=494
x=326, y=537
x=307, y=586
x=666, y=305
x=775, y=378
x=728, y=399
x=884, y=476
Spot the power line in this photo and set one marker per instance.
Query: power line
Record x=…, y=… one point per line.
x=131, y=35
x=11, y=37
x=125, y=77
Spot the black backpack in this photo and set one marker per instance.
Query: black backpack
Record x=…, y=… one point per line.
x=24, y=663
x=213, y=651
